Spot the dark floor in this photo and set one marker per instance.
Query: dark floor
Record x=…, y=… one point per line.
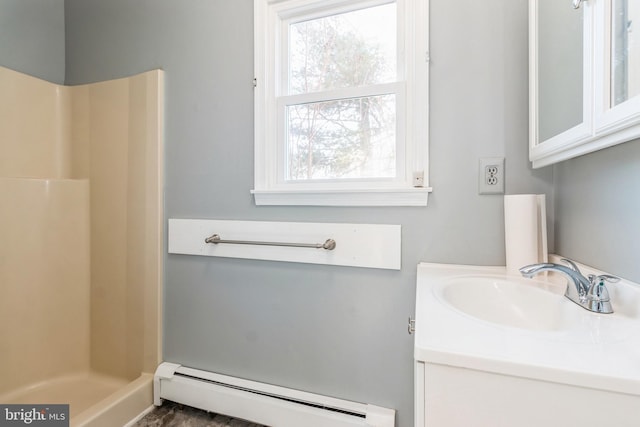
x=175, y=415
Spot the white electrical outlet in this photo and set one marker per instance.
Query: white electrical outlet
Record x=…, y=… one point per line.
x=491, y=175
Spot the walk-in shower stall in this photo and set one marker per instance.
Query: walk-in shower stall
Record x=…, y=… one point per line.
x=81, y=245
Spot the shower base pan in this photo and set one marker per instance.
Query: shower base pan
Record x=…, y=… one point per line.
x=94, y=400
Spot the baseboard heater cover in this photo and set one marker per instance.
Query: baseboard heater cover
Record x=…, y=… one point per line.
x=261, y=403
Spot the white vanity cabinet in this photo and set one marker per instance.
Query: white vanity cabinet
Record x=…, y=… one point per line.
x=584, y=86
x=496, y=350
x=459, y=397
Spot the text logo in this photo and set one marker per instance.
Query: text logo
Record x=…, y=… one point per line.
x=34, y=415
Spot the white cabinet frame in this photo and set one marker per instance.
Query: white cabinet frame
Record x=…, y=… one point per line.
x=603, y=125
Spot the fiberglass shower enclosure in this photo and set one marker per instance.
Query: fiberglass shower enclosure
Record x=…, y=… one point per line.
x=81, y=245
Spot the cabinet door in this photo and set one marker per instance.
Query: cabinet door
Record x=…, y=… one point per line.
x=560, y=77
x=419, y=394
x=584, y=83
x=619, y=47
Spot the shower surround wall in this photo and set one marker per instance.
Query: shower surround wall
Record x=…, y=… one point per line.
x=80, y=266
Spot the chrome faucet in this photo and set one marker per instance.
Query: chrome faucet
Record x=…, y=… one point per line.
x=589, y=292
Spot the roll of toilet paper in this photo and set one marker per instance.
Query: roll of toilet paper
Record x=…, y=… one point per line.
x=523, y=225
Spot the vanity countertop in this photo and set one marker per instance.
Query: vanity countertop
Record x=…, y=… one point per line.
x=599, y=351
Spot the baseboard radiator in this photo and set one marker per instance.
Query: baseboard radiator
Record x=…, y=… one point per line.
x=262, y=403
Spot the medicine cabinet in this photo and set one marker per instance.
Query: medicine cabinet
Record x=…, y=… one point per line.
x=584, y=77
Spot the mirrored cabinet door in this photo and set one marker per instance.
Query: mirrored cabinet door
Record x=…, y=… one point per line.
x=560, y=77
x=584, y=76
x=625, y=51
x=560, y=68
x=619, y=96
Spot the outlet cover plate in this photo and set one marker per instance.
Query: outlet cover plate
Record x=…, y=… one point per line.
x=491, y=175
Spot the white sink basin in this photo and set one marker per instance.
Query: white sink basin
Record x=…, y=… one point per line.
x=483, y=319
x=517, y=303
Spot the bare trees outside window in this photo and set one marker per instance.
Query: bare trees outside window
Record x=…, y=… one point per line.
x=342, y=136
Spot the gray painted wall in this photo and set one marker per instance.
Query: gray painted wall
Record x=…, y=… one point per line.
x=32, y=37
x=336, y=331
x=330, y=330
x=598, y=210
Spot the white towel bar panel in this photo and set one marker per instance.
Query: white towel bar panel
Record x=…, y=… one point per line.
x=357, y=245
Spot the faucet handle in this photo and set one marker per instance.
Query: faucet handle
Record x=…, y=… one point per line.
x=599, y=280
x=571, y=264
x=598, y=291
x=598, y=295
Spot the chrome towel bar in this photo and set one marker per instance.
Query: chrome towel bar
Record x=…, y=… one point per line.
x=329, y=244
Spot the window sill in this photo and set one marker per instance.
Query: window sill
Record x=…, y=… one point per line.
x=377, y=197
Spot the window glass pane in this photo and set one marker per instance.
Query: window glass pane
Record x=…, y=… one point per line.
x=346, y=50
x=342, y=139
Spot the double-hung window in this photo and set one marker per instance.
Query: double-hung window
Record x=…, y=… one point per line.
x=341, y=102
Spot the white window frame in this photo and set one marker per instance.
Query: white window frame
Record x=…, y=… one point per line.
x=412, y=93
